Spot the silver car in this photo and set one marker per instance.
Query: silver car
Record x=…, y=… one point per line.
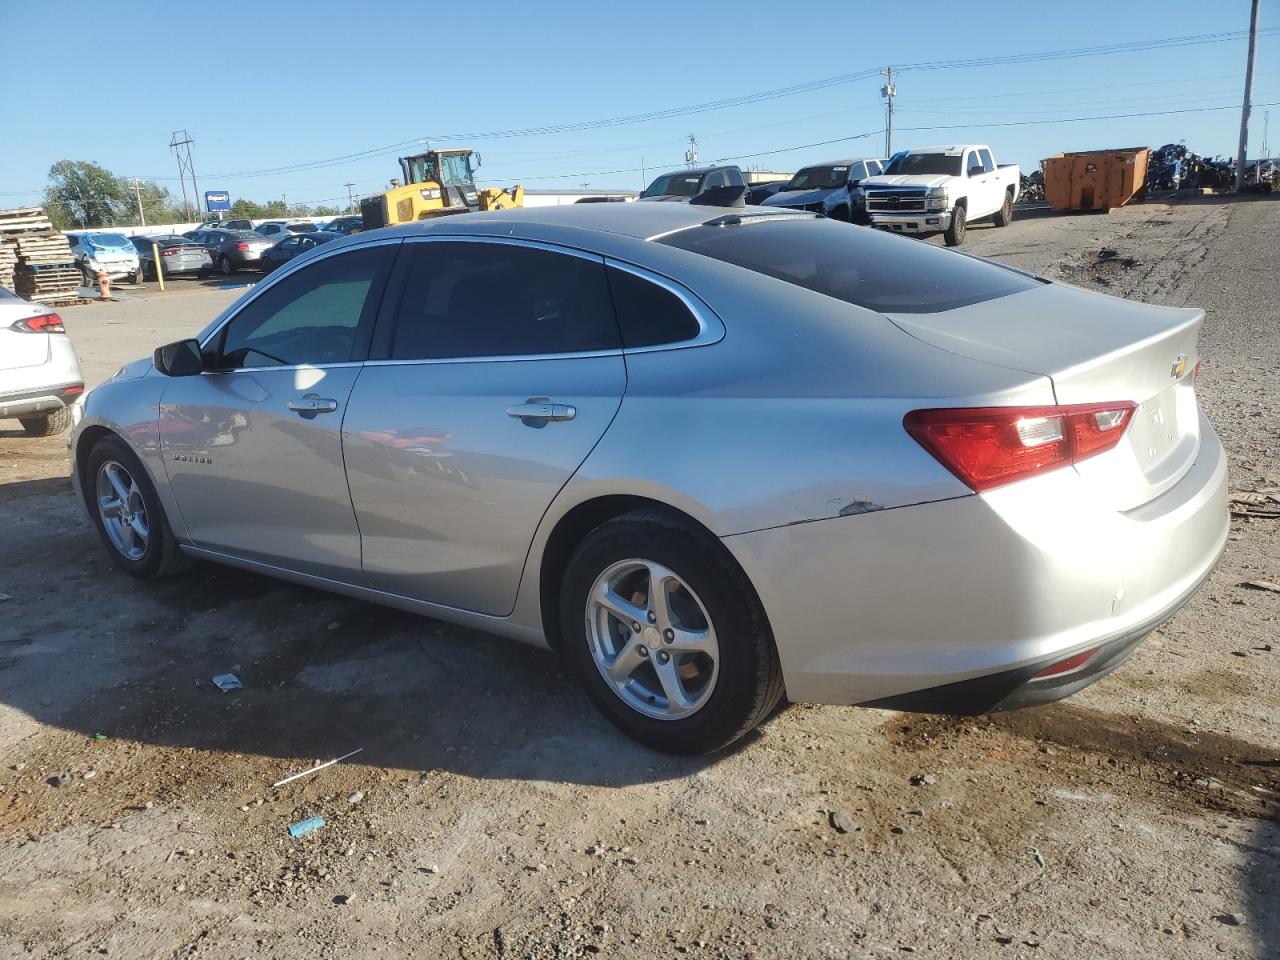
x=40, y=376
x=713, y=457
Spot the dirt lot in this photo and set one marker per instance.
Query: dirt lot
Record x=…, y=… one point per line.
x=493, y=814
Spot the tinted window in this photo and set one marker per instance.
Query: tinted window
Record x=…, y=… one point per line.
x=485, y=300
x=735, y=179
x=675, y=185
x=310, y=316
x=648, y=314
x=988, y=164
x=865, y=267
x=925, y=164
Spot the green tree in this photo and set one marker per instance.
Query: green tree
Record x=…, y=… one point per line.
x=257, y=211
x=85, y=194
x=325, y=211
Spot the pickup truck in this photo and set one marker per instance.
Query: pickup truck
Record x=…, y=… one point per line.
x=942, y=190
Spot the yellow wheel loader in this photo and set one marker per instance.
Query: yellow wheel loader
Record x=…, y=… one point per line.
x=437, y=183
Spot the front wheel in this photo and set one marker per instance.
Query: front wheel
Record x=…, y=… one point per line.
x=667, y=635
x=127, y=513
x=1004, y=216
x=954, y=234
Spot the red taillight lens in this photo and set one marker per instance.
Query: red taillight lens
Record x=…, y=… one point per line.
x=242, y=245
x=45, y=323
x=989, y=446
x=70, y=391
x=1067, y=665
x=170, y=252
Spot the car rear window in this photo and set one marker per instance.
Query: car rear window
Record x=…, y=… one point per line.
x=858, y=265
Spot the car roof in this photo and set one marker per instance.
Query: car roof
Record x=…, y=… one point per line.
x=950, y=149
x=838, y=163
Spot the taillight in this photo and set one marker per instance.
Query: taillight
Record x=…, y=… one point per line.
x=1074, y=662
x=989, y=446
x=45, y=323
x=170, y=252
x=242, y=245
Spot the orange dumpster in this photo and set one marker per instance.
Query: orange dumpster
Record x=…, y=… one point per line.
x=1094, y=179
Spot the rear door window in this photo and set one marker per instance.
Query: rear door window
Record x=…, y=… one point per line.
x=988, y=164
x=465, y=299
x=867, y=268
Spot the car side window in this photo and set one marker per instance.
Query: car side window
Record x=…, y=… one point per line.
x=461, y=299
x=714, y=179
x=988, y=164
x=312, y=316
x=733, y=178
x=857, y=171
x=649, y=315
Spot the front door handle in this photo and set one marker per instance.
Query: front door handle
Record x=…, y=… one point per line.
x=310, y=406
x=539, y=411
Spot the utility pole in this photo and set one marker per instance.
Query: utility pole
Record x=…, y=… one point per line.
x=182, y=150
x=284, y=198
x=691, y=155
x=351, y=200
x=644, y=181
x=137, y=192
x=888, y=91
x=1248, y=97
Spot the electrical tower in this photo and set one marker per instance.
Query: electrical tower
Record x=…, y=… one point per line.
x=180, y=144
x=691, y=155
x=888, y=91
x=351, y=200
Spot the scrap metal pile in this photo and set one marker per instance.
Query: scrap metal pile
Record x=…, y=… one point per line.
x=1032, y=188
x=1173, y=167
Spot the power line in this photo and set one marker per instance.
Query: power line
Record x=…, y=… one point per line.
x=1113, y=116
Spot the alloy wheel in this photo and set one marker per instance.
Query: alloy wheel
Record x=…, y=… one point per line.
x=122, y=510
x=652, y=640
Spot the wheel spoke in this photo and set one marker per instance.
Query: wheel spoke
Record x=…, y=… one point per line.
x=693, y=641
x=626, y=662
x=113, y=477
x=672, y=686
x=660, y=580
x=622, y=609
x=109, y=508
x=138, y=524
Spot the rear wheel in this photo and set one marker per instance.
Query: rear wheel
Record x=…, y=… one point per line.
x=667, y=636
x=954, y=234
x=47, y=425
x=1004, y=216
x=127, y=512
x=224, y=264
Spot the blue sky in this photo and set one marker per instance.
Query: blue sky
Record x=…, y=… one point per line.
x=389, y=73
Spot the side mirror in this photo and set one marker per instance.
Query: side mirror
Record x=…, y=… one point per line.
x=180, y=359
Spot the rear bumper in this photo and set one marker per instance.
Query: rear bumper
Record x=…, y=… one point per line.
x=957, y=604
x=43, y=400
x=911, y=222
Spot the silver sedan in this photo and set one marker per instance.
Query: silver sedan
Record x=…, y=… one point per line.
x=715, y=457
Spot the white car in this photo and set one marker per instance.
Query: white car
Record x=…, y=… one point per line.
x=279, y=229
x=40, y=376
x=98, y=252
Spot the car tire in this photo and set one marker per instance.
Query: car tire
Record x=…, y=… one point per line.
x=47, y=425
x=954, y=234
x=224, y=264
x=843, y=214
x=156, y=552
x=722, y=694
x=1004, y=216
x=136, y=276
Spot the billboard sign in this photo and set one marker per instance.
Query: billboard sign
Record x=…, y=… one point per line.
x=217, y=201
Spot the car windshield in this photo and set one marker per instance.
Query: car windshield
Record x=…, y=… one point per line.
x=867, y=268
x=675, y=185
x=819, y=178
x=925, y=164
x=112, y=241
x=244, y=235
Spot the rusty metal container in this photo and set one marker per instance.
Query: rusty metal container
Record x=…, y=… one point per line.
x=1094, y=179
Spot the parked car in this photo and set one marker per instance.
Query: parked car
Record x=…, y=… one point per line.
x=942, y=190
x=98, y=252
x=40, y=376
x=178, y=256
x=682, y=185
x=833, y=189
x=285, y=250
x=941, y=484
x=231, y=250
x=344, y=225
x=757, y=193
x=275, y=229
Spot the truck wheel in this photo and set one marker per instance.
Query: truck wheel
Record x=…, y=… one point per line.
x=954, y=234
x=1004, y=216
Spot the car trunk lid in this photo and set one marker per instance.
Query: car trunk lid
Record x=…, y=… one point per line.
x=18, y=348
x=1094, y=349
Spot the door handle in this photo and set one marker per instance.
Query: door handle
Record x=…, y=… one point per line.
x=539, y=411
x=310, y=406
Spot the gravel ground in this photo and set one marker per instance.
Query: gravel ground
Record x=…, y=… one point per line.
x=493, y=814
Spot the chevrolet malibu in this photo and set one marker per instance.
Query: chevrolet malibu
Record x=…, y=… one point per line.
x=715, y=457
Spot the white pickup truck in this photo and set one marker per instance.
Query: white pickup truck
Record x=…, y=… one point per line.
x=942, y=190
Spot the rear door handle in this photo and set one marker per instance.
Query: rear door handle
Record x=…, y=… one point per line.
x=538, y=411
x=310, y=406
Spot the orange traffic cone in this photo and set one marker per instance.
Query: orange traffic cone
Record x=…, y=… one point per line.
x=104, y=287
